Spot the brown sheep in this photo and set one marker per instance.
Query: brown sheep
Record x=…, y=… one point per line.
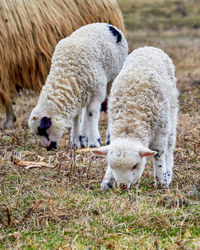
x=29, y=32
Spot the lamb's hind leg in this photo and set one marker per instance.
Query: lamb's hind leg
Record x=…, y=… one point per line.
x=93, y=114
x=90, y=130
x=10, y=118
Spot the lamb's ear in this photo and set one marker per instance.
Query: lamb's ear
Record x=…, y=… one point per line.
x=102, y=151
x=147, y=153
x=45, y=122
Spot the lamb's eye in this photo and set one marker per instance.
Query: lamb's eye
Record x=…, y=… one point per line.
x=134, y=167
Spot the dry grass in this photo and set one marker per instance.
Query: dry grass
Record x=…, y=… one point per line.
x=161, y=14
x=64, y=207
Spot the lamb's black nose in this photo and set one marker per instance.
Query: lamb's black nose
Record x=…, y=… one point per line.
x=53, y=145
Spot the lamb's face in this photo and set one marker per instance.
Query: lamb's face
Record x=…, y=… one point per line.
x=49, y=131
x=127, y=166
x=127, y=162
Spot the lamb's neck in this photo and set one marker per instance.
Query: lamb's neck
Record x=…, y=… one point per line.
x=129, y=140
x=134, y=130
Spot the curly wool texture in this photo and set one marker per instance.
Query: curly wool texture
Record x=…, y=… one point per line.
x=142, y=94
x=143, y=113
x=82, y=65
x=29, y=32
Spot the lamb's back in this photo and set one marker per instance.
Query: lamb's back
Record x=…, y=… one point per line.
x=142, y=92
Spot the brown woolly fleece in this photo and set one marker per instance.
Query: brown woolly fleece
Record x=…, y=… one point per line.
x=29, y=32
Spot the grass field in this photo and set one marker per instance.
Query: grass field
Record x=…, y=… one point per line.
x=64, y=207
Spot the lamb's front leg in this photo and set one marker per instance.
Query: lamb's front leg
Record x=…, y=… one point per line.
x=108, y=135
x=160, y=145
x=107, y=180
x=159, y=160
x=171, y=142
x=160, y=171
x=75, y=132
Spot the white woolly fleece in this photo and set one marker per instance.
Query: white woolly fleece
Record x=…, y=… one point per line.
x=143, y=112
x=81, y=67
x=142, y=94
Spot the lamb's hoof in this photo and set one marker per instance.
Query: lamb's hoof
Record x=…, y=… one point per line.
x=75, y=145
x=106, y=185
x=160, y=185
x=95, y=144
x=108, y=140
x=76, y=142
x=83, y=141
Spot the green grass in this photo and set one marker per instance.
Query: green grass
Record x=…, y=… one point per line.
x=81, y=217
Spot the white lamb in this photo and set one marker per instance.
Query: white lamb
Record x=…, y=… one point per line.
x=82, y=66
x=143, y=112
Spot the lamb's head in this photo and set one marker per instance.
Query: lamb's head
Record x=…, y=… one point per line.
x=48, y=128
x=126, y=159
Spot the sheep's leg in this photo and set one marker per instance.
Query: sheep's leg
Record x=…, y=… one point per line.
x=75, y=132
x=93, y=114
x=160, y=171
x=159, y=160
x=107, y=180
x=171, y=144
x=90, y=130
x=84, y=129
x=10, y=118
x=108, y=135
x=106, y=104
x=169, y=157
